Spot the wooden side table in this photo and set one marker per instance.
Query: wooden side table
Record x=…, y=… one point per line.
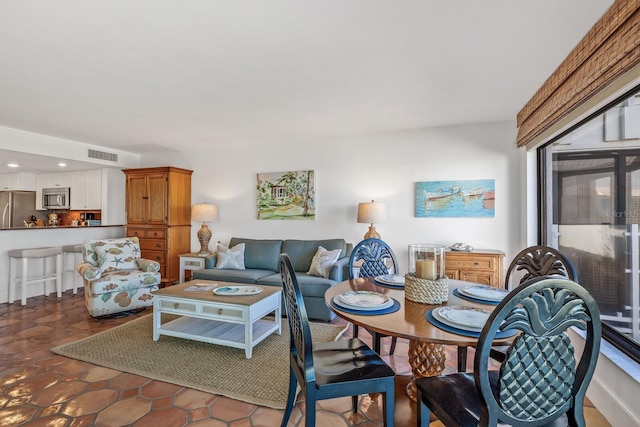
x=190, y=261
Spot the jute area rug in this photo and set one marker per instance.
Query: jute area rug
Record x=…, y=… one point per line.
x=262, y=380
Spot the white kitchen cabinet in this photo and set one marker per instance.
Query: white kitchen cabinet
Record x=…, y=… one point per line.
x=86, y=190
x=17, y=181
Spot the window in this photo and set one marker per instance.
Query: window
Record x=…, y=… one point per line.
x=590, y=211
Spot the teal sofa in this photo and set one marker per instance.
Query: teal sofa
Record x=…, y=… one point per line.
x=261, y=268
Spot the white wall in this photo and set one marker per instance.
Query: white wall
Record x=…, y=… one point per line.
x=384, y=167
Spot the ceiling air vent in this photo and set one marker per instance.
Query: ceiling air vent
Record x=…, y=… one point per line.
x=103, y=155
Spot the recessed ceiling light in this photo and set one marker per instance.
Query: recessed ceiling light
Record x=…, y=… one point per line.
x=62, y=164
x=13, y=165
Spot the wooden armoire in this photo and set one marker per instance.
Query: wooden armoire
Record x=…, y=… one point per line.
x=159, y=213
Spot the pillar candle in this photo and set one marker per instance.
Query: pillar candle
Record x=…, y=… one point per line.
x=426, y=269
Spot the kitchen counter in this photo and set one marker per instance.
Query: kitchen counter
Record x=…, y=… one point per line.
x=57, y=227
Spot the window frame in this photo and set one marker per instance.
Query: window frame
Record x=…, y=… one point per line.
x=618, y=340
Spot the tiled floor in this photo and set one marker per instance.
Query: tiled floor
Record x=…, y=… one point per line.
x=40, y=388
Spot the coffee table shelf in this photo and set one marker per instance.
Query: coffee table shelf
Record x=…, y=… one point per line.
x=216, y=332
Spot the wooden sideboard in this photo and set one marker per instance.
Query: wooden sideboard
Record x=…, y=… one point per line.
x=485, y=266
x=159, y=214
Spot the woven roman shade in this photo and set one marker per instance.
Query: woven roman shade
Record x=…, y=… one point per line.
x=608, y=51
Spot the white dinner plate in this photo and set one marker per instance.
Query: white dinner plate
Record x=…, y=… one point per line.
x=366, y=299
x=462, y=317
x=487, y=293
x=237, y=290
x=339, y=303
x=391, y=279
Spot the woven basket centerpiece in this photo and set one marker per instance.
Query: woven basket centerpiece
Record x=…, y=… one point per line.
x=426, y=291
x=426, y=282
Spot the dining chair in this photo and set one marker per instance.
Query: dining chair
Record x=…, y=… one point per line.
x=531, y=262
x=539, y=383
x=537, y=261
x=371, y=258
x=326, y=370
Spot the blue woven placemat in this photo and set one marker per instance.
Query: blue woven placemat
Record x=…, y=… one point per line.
x=391, y=309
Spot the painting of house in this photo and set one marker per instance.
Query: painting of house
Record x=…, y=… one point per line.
x=286, y=195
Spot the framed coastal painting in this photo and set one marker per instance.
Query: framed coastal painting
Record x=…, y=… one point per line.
x=465, y=198
x=286, y=195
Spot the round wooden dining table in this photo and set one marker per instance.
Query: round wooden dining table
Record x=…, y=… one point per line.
x=426, y=341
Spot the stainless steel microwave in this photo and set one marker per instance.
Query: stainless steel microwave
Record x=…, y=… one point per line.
x=56, y=198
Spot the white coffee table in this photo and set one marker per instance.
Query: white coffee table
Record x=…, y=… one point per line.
x=233, y=321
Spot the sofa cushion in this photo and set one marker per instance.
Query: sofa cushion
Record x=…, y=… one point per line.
x=301, y=252
x=230, y=258
x=322, y=262
x=310, y=286
x=236, y=276
x=260, y=254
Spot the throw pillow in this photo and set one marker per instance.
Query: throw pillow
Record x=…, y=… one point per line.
x=117, y=254
x=230, y=259
x=322, y=262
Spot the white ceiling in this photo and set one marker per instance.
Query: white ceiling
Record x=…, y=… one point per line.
x=138, y=75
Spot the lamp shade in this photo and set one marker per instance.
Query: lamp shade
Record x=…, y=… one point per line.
x=204, y=212
x=372, y=213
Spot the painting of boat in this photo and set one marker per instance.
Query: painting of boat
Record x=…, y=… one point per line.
x=442, y=193
x=472, y=194
x=463, y=198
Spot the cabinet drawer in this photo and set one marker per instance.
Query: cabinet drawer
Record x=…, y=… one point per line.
x=153, y=244
x=135, y=232
x=146, y=233
x=179, y=306
x=228, y=313
x=476, y=264
x=155, y=234
x=154, y=256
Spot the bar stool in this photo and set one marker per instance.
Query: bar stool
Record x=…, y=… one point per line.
x=29, y=254
x=75, y=252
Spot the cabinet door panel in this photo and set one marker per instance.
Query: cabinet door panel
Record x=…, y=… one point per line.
x=453, y=274
x=157, y=199
x=137, y=201
x=478, y=277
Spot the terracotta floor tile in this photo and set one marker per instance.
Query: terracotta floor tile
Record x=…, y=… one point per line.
x=90, y=403
x=163, y=417
x=159, y=389
x=190, y=399
x=123, y=412
x=126, y=381
x=60, y=392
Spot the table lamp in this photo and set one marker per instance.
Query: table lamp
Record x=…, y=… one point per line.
x=204, y=212
x=370, y=213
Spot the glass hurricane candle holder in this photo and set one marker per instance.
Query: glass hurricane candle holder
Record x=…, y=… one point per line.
x=426, y=261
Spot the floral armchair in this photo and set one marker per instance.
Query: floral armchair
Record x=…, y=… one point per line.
x=115, y=278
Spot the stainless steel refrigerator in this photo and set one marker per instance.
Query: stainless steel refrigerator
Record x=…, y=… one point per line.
x=16, y=207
